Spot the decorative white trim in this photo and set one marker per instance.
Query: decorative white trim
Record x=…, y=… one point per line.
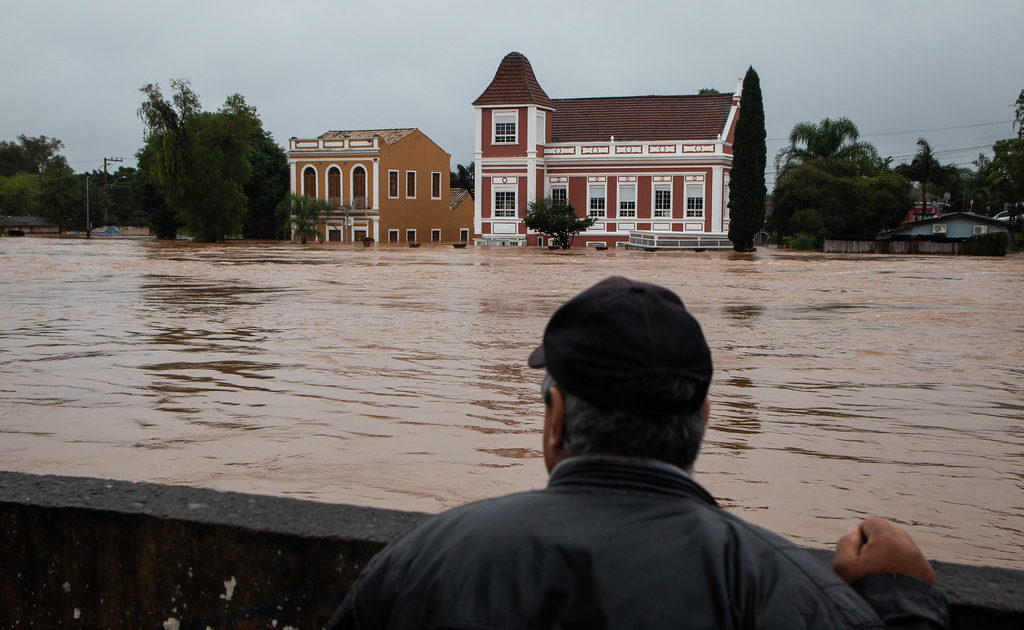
x=621, y=227
x=503, y=227
x=497, y=181
x=698, y=148
x=629, y=149
x=661, y=148
x=594, y=150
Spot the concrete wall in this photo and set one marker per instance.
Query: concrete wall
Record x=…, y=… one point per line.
x=93, y=553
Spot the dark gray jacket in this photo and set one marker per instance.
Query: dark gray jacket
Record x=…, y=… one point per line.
x=614, y=543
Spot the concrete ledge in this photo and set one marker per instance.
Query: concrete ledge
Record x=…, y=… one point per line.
x=84, y=552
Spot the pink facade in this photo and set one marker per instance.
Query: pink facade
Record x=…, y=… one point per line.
x=648, y=164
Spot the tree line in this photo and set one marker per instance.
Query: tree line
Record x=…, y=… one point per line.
x=212, y=175
x=830, y=182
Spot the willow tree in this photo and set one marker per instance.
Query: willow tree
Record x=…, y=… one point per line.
x=746, y=180
x=198, y=161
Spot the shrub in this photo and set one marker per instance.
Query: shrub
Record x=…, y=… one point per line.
x=802, y=241
x=991, y=244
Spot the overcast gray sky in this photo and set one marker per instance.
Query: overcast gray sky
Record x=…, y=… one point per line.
x=899, y=69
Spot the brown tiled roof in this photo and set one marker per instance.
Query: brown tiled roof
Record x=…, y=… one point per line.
x=390, y=136
x=457, y=196
x=696, y=117
x=514, y=84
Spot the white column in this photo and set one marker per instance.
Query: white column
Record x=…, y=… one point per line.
x=376, y=184
x=376, y=229
x=477, y=175
x=292, y=185
x=717, y=184
x=531, y=154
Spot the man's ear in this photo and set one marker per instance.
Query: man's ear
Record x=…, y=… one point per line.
x=705, y=409
x=554, y=428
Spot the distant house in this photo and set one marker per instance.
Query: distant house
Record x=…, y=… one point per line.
x=390, y=185
x=935, y=206
x=951, y=226
x=461, y=216
x=654, y=168
x=25, y=225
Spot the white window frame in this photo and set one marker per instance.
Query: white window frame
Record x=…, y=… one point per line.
x=659, y=213
x=414, y=185
x=398, y=184
x=434, y=231
x=505, y=117
x=627, y=211
x=395, y=232
x=504, y=212
x=440, y=184
x=410, y=231
x=692, y=200
x=564, y=188
x=595, y=200
x=541, y=127
x=463, y=235
x=316, y=180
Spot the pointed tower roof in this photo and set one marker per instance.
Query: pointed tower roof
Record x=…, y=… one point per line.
x=514, y=84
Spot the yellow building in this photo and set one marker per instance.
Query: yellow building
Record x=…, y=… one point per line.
x=390, y=185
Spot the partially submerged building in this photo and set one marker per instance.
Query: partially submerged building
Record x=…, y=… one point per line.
x=391, y=185
x=651, y=170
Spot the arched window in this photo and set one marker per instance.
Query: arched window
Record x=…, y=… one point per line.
x=334, y=187
x=359, y=187
x=309, y=181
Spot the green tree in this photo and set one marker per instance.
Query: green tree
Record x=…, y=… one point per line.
x=19, y=194
x=708, y=91
x=463, y=176
x=925, y=169
x=267, y=187
x=199, y=161
x=746, y=180
x=1007, y=173
x=63, y=198
x=556, y=220
x=301, y=215
x=1018, y=114
x=848, y=204
x=31, y=155
x=830, y=139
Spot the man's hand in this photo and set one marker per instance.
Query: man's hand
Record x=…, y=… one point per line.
x=878, y=546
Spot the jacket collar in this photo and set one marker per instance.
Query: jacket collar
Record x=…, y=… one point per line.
x=627, y=473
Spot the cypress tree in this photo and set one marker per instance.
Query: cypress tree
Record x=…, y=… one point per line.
x=746, y=181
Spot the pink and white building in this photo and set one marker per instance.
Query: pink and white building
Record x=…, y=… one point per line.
x=653, y=171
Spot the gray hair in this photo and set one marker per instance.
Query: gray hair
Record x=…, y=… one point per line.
x=673, y=438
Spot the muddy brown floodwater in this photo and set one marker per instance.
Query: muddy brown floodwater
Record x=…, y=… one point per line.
x=396, y=377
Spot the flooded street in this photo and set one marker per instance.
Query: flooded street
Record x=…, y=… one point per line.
x=396, y=377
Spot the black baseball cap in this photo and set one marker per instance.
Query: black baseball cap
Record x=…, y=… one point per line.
x=603, y=343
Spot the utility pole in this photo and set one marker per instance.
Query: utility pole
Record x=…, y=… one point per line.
x=105, y=161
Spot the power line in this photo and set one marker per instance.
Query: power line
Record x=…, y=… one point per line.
x=909, y=131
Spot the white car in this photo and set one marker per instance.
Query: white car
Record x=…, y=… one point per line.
x=1002, y=216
